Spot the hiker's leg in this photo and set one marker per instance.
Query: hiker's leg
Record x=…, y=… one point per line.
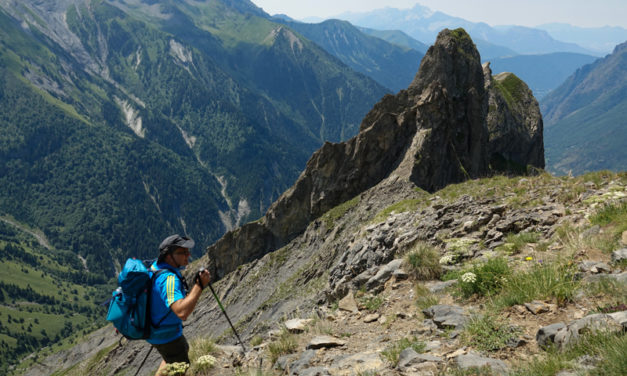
x=161, y=367
x=173, y=352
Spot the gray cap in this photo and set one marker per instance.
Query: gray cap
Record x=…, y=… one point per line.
x=173, y=242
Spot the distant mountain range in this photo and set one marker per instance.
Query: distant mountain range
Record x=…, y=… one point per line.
x=601, y=40
x=390, y=64
x=586, y=118
x=542, y=73
x=422, y=23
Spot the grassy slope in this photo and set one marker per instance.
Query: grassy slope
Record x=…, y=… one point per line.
x=592, y=138
x=28, y=322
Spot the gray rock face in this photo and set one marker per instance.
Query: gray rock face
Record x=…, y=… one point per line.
x=384, y=274
x=451, y=142
x=514, y=122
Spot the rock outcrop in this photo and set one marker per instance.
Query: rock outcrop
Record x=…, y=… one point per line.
x=433, y=134
x=514, y=123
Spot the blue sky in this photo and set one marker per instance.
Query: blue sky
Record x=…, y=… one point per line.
x=584, y=13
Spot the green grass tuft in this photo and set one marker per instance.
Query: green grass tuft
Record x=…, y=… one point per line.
x=330, y=217
x=423, y=262
x=552, y=280
x=489, y=278
x=392, y=353
x=285, y=344
x=488, y=332
x=370, y=303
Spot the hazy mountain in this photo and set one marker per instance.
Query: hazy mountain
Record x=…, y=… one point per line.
x=586, y=117
x=423, y=24
x=397, y=37
x=542, y=73
x=124, y=121
x=391, y=65
x=601, y=40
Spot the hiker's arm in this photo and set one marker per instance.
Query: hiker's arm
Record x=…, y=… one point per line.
x=184, y=307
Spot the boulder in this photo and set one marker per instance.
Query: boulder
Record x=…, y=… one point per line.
x=348, y=303
x=564, y=335
x=621, y=254
x=324, y=342
x=474, y=360
x=447, y=316
x=546, y=334
x=297, y=325
x=384, y=274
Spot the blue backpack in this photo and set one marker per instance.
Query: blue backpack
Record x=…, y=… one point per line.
x=129, y=309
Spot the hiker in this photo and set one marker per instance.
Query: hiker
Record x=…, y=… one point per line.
x=172, y=301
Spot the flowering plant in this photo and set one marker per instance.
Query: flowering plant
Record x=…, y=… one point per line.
x=175, y=369
x=447, y=260
x=206, y=361
x=469, y=277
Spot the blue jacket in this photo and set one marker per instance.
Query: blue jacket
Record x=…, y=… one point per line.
x=166, y=289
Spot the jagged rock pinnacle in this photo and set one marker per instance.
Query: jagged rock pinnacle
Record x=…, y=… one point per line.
x=432, y=134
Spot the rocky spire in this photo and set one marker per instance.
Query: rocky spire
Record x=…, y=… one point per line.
x=432, y=134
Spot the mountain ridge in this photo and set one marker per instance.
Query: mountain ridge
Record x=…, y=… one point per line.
x=138, y=77
x=422, y=23
x=585, y=117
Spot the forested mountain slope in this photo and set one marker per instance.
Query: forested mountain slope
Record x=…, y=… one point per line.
x=124, y=121
x=586, y=117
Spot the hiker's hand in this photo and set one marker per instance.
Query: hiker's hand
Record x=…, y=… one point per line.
x=203, y=278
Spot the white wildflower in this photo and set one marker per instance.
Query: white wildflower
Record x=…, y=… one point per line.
x=176, y=369
x=447, y=260
x=469, y=277
x=206, y=361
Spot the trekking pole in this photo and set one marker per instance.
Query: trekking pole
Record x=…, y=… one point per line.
x=144, y=361
x=223, y=311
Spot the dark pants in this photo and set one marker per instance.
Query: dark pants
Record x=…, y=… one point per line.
x=175, y=351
